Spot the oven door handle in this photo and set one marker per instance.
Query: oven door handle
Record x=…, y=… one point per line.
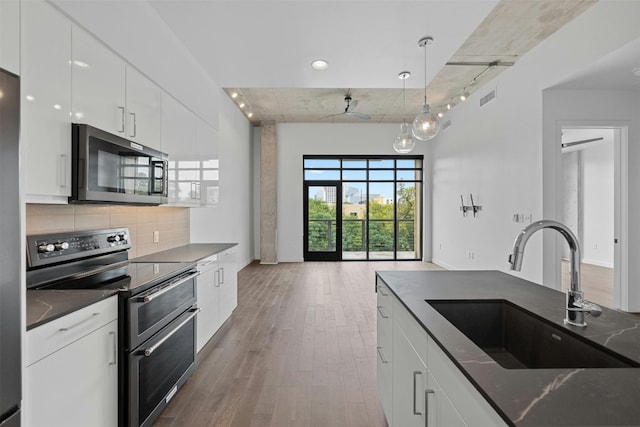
x=169, y=288
x=149, y=351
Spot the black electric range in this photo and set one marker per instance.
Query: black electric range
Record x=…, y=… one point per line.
x=156, y=311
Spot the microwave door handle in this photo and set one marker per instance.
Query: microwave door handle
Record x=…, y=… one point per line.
x=158, y=165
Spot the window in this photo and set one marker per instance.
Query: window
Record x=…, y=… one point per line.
x=379, y=211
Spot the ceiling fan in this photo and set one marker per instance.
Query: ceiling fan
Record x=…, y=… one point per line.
x=349, y=109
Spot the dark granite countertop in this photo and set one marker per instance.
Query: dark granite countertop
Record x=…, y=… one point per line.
x=530, y=397
x=46, y=305
x=193, y=252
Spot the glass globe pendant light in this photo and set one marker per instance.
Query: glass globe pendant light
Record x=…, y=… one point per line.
x=426, y=124
x=404, y=142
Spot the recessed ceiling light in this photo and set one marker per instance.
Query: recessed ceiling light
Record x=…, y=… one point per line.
x=320, y=64
x=241, y=105
x=80, y=64
x=57, y=106
x=234, y=95
x=250, y=115
x=30, y=98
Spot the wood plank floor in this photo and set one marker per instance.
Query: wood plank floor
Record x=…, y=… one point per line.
x=299, y=350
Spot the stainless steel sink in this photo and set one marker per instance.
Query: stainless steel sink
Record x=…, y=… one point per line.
x=518, y=339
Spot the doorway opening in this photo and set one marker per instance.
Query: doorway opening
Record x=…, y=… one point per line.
x=591, y=186
x=362, y=208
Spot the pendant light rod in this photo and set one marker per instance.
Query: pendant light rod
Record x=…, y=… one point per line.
x=424, y=42
x=404, y=75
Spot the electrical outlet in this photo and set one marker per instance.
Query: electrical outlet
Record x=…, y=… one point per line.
x=156, y=236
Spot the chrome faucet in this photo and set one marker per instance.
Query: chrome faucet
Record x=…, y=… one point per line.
x=576, y=304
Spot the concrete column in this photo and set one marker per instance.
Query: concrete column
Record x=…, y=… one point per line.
x=268, y=193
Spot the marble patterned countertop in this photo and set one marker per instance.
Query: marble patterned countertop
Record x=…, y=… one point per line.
x=46, y=305
x=530, y=397
x=192, y=252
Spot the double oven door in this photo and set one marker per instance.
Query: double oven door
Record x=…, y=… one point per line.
x=160, y=348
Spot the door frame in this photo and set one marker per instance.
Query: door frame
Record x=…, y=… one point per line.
x=621, y=222
x=318, y=255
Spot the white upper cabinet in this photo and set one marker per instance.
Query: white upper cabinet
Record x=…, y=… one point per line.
x=98, y=77
x=207, y=149
x=10, y=35
x=143, y=110
x=112, y=96
x=46, y=102
x=179, y=141
x=192, y=145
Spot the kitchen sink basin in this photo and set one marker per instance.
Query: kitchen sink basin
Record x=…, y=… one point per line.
x=518, y=339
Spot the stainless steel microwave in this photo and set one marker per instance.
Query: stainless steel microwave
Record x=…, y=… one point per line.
x=109, y=169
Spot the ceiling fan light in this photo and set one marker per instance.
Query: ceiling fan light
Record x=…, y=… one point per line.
x=426, y=125
x=404, y=142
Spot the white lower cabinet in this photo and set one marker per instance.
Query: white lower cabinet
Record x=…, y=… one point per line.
x=384, y=350
x=425, y=388
x=228, y=283
x=208, y=320
x=217, y=293
x=71, y=377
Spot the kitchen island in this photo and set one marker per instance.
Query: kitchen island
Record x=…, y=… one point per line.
x=521, y=397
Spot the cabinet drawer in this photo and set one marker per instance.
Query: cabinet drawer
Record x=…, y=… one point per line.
x=52, y=336
x=384, y=297
x=416, y=335
x=208, y=263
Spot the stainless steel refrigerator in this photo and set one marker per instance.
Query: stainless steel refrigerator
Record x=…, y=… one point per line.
x=10, y=253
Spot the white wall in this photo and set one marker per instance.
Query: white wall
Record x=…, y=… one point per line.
x=598, y=205
x=232, y=219
x=296, y=140
x=497, y=151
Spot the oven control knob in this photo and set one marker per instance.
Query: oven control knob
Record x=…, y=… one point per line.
x=61, y=246
x=112, y=239
x=123, y=237
x=46, y=247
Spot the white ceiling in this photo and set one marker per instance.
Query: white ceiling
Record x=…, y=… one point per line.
x=262, y=49
x=614, y=71
x=271, y=43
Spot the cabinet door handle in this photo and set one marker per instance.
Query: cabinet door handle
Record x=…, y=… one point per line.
x=62, y=171
x=382, y=359
x=222, y=275
x=75, y=325
x=115, y=348
x=133, y=135
x=427, y=392
x=415, y=411
x=121, y=130
x=384, y=316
